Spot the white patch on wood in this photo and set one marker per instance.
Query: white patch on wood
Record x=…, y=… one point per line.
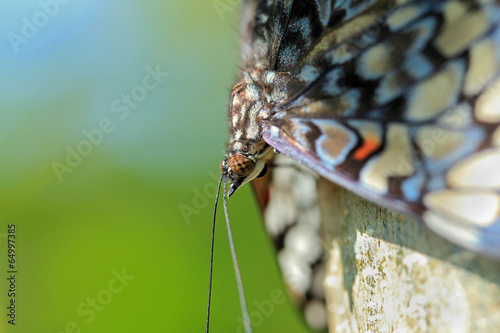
x=411, y=259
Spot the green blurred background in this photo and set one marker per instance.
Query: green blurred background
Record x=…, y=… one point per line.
x=137, y=202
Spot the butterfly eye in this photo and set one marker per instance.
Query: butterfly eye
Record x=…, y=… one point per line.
x=222, y=166
x=241, y=165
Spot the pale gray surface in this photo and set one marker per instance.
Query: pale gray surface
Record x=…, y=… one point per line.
x=389, y=273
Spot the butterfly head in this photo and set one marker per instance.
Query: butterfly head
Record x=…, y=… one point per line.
x=239, y=168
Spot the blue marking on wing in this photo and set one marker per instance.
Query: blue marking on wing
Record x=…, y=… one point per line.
x=489, y=239
x=412, y=186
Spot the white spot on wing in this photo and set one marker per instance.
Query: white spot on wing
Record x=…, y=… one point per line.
x=393, y=161
x=460, y=31
x=402, y=16
x=482, y=67
x=479, y=170
x=488, y=104
x=437, y=93
x=478, y=207
x=452, y=231
x=375, y=62
x=309, y=73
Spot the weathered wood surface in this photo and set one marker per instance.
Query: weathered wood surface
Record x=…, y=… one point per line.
x=389, y=273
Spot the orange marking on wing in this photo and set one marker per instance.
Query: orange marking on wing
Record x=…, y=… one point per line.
x=369, y=146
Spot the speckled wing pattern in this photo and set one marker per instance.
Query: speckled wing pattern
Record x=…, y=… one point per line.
x=397, y=101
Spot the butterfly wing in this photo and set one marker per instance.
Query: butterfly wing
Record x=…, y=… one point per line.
x=399, y=105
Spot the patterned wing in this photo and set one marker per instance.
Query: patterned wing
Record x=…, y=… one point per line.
x=253, y=32
x=399, y=102
x=301, y=29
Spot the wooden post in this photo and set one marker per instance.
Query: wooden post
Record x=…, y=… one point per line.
x=390, y=273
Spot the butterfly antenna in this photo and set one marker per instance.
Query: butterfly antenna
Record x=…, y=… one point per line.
x=212, y=252
x=241, y=292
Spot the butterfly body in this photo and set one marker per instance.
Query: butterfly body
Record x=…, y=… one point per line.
x=252, y=101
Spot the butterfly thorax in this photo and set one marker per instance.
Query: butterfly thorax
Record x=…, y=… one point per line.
x=253, y=101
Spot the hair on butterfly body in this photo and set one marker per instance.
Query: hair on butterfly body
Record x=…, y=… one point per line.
x=252, y=101
x=395, y=101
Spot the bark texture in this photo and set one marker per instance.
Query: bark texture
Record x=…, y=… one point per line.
x=389, y=273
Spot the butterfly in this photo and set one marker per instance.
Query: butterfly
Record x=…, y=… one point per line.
x=396, y=101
